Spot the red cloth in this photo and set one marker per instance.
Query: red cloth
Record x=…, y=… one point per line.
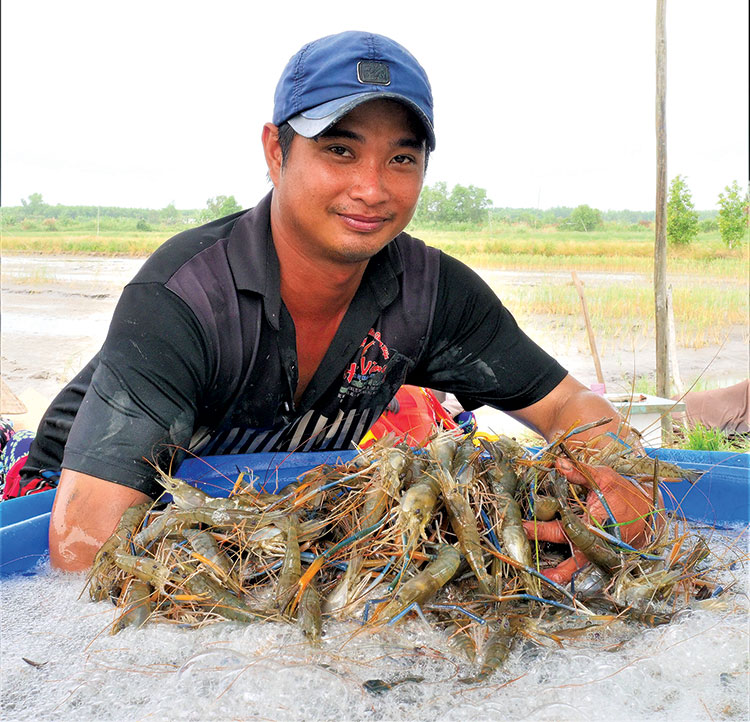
x=15, y=486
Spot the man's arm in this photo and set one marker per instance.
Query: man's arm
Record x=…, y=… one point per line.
x=85, y=513
x=139, y=404
x=568, y=405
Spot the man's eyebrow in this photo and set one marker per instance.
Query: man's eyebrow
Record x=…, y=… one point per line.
x=407, y=142
x=335, y=132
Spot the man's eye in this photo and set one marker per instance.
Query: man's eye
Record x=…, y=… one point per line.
x=338, y=149
x=403, y=159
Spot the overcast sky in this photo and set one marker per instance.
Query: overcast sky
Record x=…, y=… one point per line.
x=542, y=102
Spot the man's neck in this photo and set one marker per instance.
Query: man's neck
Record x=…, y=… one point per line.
x=317, y=292
x=314, y=287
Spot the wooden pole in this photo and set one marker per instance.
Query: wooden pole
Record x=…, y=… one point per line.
x=589, y=330
x=660, y=241
x=674, y=367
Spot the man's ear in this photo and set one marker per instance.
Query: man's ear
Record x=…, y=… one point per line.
x=272, y=151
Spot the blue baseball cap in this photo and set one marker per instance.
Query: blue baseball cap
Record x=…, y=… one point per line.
x=331, y=76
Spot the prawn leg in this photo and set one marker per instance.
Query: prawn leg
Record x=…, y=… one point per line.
x=413, y=607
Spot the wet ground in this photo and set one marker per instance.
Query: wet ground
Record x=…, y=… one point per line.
x=56, y=311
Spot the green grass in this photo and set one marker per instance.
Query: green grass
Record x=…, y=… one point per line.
x=522, y=248
x=704, y=311
x=109, y=243
x=703, y=438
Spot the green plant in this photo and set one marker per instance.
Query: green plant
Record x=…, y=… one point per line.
x=583, y=218
x=682, y=220
x=219, y=207
x=733, y=215
x=704, y=438
x=462, y=204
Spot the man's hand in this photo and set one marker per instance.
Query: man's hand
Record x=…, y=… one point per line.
x=631, y=507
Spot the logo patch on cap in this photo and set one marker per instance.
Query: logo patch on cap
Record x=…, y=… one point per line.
x=373, y=72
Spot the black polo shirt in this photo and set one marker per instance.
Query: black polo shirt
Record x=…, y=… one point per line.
x=201, y=356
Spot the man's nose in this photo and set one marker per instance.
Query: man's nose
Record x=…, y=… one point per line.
x=369, y=184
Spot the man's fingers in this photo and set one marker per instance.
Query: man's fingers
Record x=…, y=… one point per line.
x=547, y=531
x=564, y=571
x=566, y=468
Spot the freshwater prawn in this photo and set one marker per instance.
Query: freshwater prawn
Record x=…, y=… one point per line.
x=424, y=585
x=463, y=523
x=504, y=482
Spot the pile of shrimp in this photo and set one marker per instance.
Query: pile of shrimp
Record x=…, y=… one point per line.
x=435, y=531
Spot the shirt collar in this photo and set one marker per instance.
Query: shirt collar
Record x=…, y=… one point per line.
x=382, y=274
x=255, y=265
x=253, y=259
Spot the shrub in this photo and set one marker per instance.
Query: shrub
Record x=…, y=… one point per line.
x=583, y=218
x=682, y=220
x=708, y=225
x=733, y=208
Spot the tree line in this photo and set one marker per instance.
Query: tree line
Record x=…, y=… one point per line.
x=35, y=214
x=439, y=206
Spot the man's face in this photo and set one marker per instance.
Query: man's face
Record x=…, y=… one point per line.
x=346, y=195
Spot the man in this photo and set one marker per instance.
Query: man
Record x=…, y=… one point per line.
x=292, y=325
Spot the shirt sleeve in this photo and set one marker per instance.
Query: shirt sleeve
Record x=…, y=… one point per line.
x=476, y=349
x=145, y=393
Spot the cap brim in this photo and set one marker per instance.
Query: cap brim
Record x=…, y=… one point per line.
x=312, y=122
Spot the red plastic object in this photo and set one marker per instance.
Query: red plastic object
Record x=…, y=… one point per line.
x=417, y=415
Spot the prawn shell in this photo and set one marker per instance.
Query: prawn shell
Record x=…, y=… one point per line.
x=422, y=587
x=139, y=606
x=309, y=614
x=204, y=543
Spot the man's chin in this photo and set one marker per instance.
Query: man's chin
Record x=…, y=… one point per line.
x=356, y=255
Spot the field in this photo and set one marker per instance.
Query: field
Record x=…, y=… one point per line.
x=528, y=268
x=710, y=289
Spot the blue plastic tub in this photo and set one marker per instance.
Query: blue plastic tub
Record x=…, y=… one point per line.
x=24, y=529
x=216, y=475
x=720, y=498
x=24, y=522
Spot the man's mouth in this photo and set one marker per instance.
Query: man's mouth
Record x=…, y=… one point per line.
x=363, y=223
